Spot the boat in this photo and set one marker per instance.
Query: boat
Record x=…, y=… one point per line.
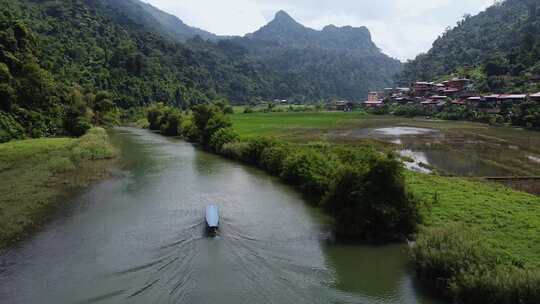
x=212, y=219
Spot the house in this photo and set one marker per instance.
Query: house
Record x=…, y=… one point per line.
x=492, y=100
x=431, y=105
x=535, y=97
x=459, y=102
x=422, y=88
x=513, y=98
x=374, y=96
x=458, y=84
x=373, y=104
x=341, y=105
x=439, y=97
x=475, y=101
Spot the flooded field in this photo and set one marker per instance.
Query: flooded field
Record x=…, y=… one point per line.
x=461, y=152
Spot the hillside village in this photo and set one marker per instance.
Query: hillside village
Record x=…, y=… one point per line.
x=433, y=97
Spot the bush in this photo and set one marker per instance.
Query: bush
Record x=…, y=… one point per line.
x=370, y=201
x=272, y=158
x=456, y=262
x=189, y=130
x=222, y=137
x=94, y=145
x=9, y=128
x=60, y=164
x=234, y=150
x=311, y=170
x=209, y=119
x=499, y=285
x=255, y=148
x=171, y=123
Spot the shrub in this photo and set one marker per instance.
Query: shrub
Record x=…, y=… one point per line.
x=272, y=158
x=255, y=148
x=499, y=285
x=93, y=146
x=171, y=123
x=60, y=164
x=209, y=119
x=9, y=128
x=370, y=201
x=222, y=137
x=234, y=150
x=189, y=130
x=311, y=170
x=456, y=262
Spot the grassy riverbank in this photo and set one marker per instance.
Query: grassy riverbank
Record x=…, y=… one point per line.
x=476, y=242
x=36, y=173
x=479, y=241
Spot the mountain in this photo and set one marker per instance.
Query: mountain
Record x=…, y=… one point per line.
x=336, y=62
x=152, y=18
x=498, y=47
x=66, y=64
x=284, y=30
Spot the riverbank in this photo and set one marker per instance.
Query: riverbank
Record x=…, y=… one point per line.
x=478, y=240
x=36, y=173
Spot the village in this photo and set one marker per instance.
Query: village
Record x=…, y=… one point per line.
x=433, y=97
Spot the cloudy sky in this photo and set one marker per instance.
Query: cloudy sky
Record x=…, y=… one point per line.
x=401, y=28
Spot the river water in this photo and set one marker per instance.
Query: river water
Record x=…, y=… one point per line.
x=139, y=238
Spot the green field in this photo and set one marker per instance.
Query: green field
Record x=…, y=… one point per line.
x=289, y=123
x=35, y=173
x=508, y=220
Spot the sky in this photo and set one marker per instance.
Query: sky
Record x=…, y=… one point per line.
x=401, y=28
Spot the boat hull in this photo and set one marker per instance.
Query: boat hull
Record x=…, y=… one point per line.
x=212, y=218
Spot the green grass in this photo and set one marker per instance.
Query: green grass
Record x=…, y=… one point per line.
x=36, y=172
x=507, y=220
x=282, y=124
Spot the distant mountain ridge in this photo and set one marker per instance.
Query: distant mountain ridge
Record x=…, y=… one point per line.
x=288, y=32
x=147, y=15
x=335, y=62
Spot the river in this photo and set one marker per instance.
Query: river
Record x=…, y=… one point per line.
x=138, y=237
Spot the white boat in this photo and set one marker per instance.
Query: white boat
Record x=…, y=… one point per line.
x=212, y=218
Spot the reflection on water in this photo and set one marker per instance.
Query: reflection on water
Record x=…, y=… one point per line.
x=416, y=161
x=400, y=131
x=139, y=238
x=388, y=281
x=535, y=159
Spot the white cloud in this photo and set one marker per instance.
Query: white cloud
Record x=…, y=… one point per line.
x=401, y=28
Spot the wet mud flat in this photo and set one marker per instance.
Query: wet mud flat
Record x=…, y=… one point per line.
x=460, y=152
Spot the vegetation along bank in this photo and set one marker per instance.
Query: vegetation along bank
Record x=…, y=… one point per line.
x=475, y=240
x=36, y=173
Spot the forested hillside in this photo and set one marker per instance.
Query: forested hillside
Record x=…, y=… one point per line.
x=65, y=65
x=499, y=48
x=150, y=17
x=64, y=62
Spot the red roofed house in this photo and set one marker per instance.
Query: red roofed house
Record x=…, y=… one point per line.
x=514, y=98
x=535, y=97
x=422, y=88
x=374, y=100
x=458, y=84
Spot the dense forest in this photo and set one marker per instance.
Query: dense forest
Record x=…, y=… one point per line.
x=498, y=48
x=63, y=63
